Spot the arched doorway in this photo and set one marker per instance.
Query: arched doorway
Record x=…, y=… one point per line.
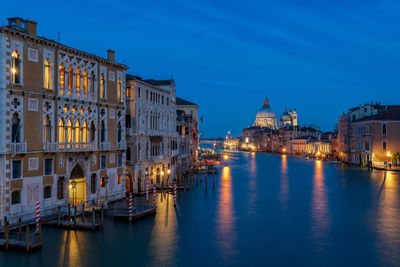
x=140, y=181
x=128, y=183
x=77, y=186
x=158, y=176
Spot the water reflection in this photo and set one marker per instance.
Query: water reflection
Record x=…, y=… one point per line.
x=284, y=185
x=253, y=186
x=225, y=221
x=164, y=237
x=319, y=207
x=69, y=249
x=388, y=216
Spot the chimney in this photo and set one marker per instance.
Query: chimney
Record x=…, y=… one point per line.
x=111, y=55
x=30, y=27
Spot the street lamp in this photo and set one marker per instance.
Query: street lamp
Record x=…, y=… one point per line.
x=73, y=186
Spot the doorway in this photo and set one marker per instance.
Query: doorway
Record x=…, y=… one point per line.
x=77, y=186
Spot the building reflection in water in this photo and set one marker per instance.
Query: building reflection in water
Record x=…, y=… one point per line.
x=388, y=216
x=225, y=221
x=284, y=185
x=253, y=186
x=319, y=207
x=164, y=236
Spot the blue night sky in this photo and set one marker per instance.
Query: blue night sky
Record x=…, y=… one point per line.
x=320, y=57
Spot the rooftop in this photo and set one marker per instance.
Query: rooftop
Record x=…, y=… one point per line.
x=183, y=102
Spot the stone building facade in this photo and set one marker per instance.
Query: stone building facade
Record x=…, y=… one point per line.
x=151, y=132
x=62, y=121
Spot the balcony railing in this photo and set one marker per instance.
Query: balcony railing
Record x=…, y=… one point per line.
x=105, y=146
x=157, y=158
x=68, y=147
x=18, y=148
x=121, y=145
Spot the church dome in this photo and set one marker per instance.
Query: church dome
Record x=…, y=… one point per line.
x=266, y=116
x=285, y=119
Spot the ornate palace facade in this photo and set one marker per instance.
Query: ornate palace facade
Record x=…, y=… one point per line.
x=62, y=123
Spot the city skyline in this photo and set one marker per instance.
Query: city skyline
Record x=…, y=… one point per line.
x=324, y=57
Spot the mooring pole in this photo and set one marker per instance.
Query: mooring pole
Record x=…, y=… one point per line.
x=19, y=229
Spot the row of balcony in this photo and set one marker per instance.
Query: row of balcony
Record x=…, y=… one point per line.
x=52, y=147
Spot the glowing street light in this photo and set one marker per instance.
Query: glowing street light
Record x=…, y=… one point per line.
x=226, y=157
x=13, y=70
x=284, y=150
x=388, y=154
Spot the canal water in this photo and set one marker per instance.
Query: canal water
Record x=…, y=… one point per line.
x=265, y=210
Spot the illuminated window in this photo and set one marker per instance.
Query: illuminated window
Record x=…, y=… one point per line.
x=61, y=131
x=78, y=79
x=47, y=129
x=69, y=132
x=85, y=132
x=77, y=132
x=119, y=179
x=16, y=67
x=119, y=89
x=70, y=78
x=62, y=76
x=128, y=92
x=85, y=81
x=102, y=86
x=48, y=80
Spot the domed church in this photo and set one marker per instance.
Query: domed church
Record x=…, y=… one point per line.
x=288, y=118
x=266, y=116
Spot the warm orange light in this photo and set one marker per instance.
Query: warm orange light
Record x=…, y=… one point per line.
x=252, y=153
x=283, y=150
x=226, y=157
x=14, y=70
x=388, y=154
x=162, y=173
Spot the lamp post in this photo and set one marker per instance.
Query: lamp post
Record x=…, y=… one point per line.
x=169, y=174
x=73, y=185
x=105, y=180
x=388, y=156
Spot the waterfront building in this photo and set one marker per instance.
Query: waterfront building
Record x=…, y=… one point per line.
x=62, y=123
x=299, y=144
x=231, y=142
x=188, y=134
x=369, y=133
x=152, y=138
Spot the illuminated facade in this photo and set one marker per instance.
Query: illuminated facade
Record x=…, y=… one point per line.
x=151, y=132
x=62, y=123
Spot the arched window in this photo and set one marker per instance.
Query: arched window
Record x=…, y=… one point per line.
x=15, y=197
x=102, y=86
x=61, y=131
x=85, y=132
x=70, y=78
x=16, y=67
x=119, y=90
x=92, y=82
x=69, y=131
x=48, y=79
x=15, y=129
x=128, y=154
x=77, y=132
x=78, y=79
x=85, y=81
x=62, y=76
x=92, y=132
x=119, y=133
x=102, y=132
x=47, y=129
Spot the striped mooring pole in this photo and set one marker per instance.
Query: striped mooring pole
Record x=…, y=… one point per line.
x=147, y=190
x=174, y=195
x=130, y=207
x=155, y=196
x=37, y=216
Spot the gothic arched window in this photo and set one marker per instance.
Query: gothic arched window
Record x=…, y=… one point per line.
x=48, y=79
x=15, y=129
x=47, y=129
x=16, y=67
x=61, y=131
x=62, y=76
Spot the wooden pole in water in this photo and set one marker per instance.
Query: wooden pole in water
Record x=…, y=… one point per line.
x=74, y=207
x=59, y=215
x=83, y=212
x=6, y=232
x=19, y=229
x=69, y=212
x=27, y=238
x=213, y=179
x=93, y=218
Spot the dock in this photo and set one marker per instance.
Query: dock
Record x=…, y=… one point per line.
x=17, y=239
x=138, y=212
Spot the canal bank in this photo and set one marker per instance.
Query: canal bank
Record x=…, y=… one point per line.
x=269, y=209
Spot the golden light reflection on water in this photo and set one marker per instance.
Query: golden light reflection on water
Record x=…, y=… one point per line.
x=253, y=186
x=284, y=184
x=388, y=216
x=225, y=221
x=319, y=207
x=69, y=249
x=164, y=237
